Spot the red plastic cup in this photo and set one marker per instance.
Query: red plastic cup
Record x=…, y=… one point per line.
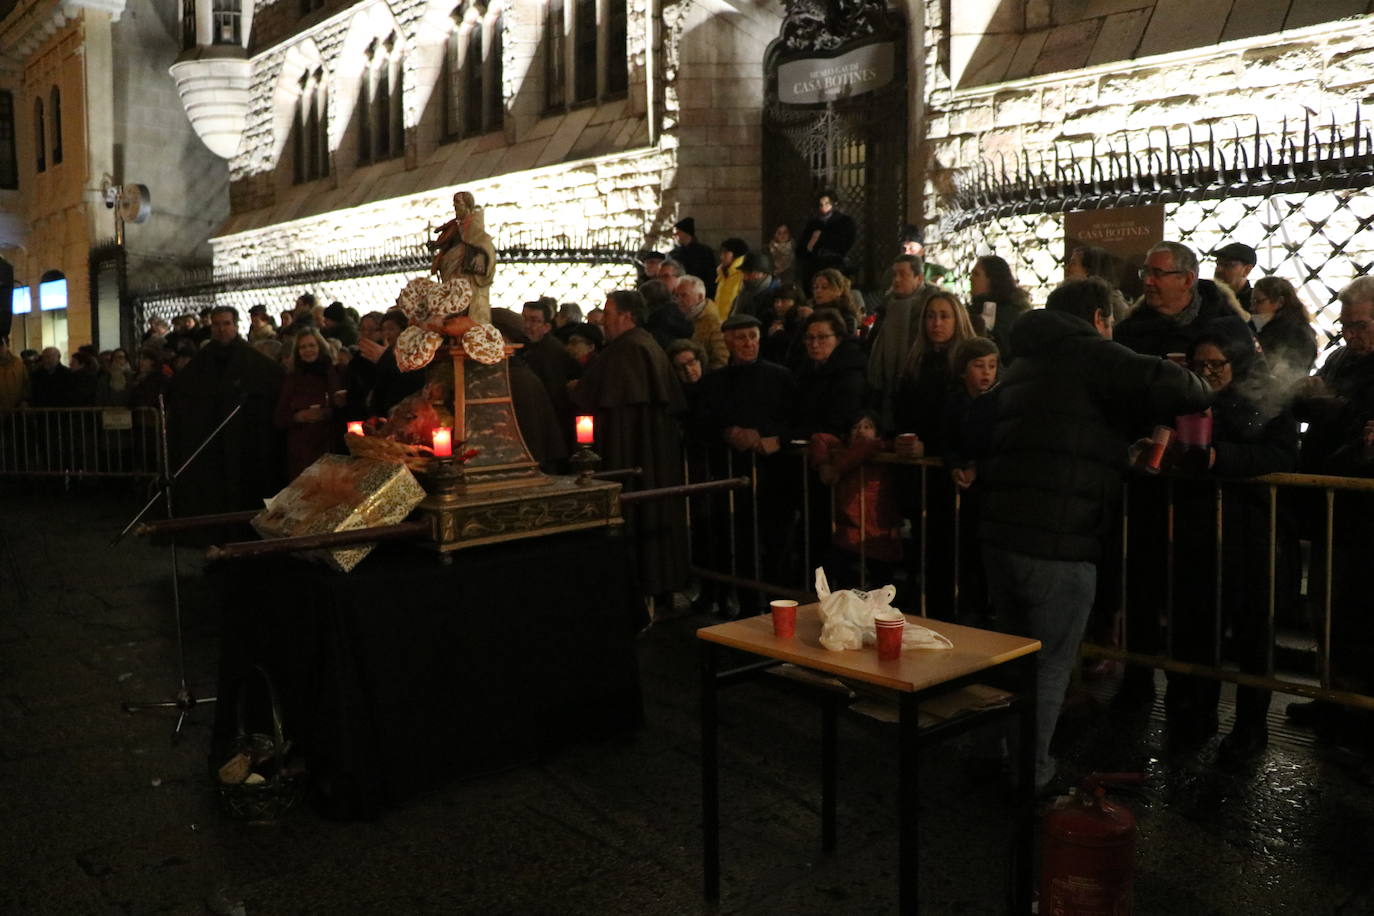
x=1159, y=443
x=889, y=633
x=784, y=618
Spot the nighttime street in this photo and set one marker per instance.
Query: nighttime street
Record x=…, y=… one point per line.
x=103, y=814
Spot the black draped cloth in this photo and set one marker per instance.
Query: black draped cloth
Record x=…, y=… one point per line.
x=635, y=399
x=405, y=674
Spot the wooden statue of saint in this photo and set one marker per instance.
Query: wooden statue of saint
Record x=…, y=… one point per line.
x=462, y=248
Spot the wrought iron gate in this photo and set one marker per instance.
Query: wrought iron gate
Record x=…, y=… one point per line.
x=855, y=146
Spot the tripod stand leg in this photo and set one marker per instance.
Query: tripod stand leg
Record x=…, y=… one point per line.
x=185, y=701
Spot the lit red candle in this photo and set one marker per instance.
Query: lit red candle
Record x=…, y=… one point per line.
x=443, y=442
x=586, y=433
x=355, y=427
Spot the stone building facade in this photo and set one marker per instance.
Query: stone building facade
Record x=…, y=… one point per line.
x=90, y=105
x=362, y=119
x=1025, y=86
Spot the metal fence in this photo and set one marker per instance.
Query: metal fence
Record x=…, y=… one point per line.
x=935, y=579
x=80, y=442
x=1298, y=193
x=582, y=271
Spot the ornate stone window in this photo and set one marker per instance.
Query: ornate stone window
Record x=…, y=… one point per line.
x=472, y=72
x=311, y=128
x=585, y=51
x=226, y=17
x=55, y=112
x=381, y=131
x=40, y=139
x=9, y=168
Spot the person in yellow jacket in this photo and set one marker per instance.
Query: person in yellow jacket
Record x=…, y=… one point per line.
x=690, y=297
x=729, y=275
x=14, y=378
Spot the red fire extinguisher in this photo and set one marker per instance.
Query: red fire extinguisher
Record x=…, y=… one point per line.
x=1087, y=862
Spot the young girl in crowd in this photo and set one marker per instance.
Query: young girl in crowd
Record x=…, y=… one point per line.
x=864, y=503
x=783, y=251
x=969, y=419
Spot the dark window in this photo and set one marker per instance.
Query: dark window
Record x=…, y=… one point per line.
x=554, y=47
x=617, y=57
x=495, y=103
x=584, y=51
x=312, y=129
x=225, y=24
x=381, y=113
x=364, y=119
x=398, y=124
x=448, y=82
x=188, y=24
x=55, y=113
x=381, y=124
x=309, y=6
x=9, y=165
x=40, y=139
x=472, y=82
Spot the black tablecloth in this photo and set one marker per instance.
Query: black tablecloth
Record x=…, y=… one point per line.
x=405, y=673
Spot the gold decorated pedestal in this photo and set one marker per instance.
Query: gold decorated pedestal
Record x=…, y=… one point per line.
x=500, y=494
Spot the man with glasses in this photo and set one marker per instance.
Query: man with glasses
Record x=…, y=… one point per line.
x=1175, y=308
x=1176, y=303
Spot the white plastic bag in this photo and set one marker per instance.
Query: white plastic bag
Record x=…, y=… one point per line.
x=847, y=618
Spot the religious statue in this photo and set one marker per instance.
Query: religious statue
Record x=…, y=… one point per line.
x=457, y=305
x=462, y=248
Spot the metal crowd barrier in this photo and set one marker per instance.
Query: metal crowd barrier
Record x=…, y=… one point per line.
x=80, y=442
x=1322, y=573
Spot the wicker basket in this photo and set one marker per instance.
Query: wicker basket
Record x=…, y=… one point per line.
x=415, y=457
x=263, y=802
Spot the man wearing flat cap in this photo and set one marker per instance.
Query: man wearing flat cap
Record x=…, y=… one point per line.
x=741, y=412
x=1234, y=263
x=756, y=292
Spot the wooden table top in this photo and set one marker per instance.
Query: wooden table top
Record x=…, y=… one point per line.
x=974, y=650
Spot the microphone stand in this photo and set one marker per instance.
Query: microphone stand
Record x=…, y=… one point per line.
x=185, y=700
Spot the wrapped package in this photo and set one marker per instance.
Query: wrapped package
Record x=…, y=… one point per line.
x=341, y=493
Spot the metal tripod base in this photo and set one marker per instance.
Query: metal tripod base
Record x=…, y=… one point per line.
x=185, y=701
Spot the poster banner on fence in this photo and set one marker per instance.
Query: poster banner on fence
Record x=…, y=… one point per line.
x=1124, y=233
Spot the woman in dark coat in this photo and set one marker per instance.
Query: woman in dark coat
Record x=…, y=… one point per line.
x=924, y=388
x=830, y=386
x=923, y=396
x=1284, y=328
x=1253, y=433
x=995, y=301
x=830, y=394
x=306, y=405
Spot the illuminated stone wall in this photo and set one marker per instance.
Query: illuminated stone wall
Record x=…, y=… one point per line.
x=1324, y=68
x=684, y=140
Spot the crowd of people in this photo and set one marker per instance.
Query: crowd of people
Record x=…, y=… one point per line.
x=724, y=359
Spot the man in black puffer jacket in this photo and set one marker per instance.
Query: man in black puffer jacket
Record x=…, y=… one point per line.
x=1055, y=471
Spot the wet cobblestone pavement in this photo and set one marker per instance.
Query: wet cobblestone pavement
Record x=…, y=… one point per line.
x=100, y=813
